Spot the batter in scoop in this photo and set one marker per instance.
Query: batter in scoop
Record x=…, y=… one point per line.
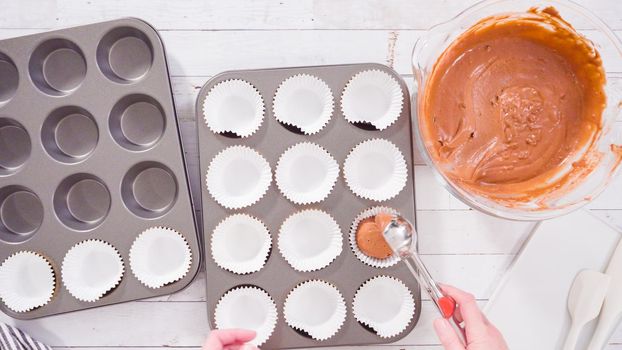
x=511, y=102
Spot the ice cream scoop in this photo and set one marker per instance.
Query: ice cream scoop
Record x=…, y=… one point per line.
x=401, y=236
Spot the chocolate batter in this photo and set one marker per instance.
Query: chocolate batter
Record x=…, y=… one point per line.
x=369, y=237
x=512, y=104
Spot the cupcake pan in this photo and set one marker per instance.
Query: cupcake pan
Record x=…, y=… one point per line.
x=89, y=149
x=338, y=137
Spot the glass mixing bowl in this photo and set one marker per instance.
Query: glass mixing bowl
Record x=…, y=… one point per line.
x=434, y=41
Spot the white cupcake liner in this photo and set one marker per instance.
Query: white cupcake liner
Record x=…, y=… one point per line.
x=371, y=261
x=384, y=304
x=315, y=307
x=234, y=106
x=91, y=269
x=238, y=177
x=373, y=97
x=310, y=240
x=160, y=256
x=241, y=244
x=304, y=101
x=27, y=281
x=376, y=170
x=306, y=173
x=247, y=308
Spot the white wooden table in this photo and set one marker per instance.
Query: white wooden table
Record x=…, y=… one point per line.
x=461, y=246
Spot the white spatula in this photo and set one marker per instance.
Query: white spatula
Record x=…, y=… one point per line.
x=585, y=300
x=611, y=314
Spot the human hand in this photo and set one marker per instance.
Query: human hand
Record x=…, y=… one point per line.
x=230, y=339
x=480, y=333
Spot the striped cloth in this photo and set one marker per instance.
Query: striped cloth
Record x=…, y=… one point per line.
x=12, y=338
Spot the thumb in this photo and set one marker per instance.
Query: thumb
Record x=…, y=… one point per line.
x=447, y=335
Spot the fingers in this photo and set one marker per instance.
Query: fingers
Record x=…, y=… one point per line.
x=242, y=347
x=473, y=317
x=458, y=316
x=213, y=343
x=219, y=339
x=447, y=335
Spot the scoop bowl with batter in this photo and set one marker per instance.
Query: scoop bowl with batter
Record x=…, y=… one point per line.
x=515, y=109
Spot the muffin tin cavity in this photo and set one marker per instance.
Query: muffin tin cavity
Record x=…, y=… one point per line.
x=241, y=244
x=306, y=173
x=160, y=256
x=303, y=103
x=91, y=269
x=149, y=189
x=238, y=177
x=15, y=146
x=234, y=108
x=247, y=307
x=384, y=305
x=82, y=201
x=57, y=67
x=315, y=308
x=21, y=214
x=70, y=134
x=137, y=122
x=376, y=170
x=125, y=55
x=90, y=159
x=27, y=281
x=310, y=240
x=372, y=100
x=9, y=78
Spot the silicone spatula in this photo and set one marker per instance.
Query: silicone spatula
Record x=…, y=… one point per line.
x=611, y=312
x=585, y=300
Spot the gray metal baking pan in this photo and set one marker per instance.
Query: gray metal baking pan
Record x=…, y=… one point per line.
x=90, y=149
x=347, y=273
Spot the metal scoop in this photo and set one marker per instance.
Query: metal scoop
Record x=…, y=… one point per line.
x=401, y=236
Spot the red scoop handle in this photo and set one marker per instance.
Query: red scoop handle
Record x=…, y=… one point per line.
x=447, y=306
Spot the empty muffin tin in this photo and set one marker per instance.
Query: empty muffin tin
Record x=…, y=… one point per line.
x=90, y=149
x=278, y=278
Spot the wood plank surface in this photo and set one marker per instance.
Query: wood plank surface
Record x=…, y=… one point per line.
x=204, y=37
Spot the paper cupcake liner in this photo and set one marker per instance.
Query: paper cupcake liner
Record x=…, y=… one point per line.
x=384, y=304
x=234, y=106
x=238, y=177
x=27, y=281
x=160, y=256
x=241, y=244
x=310, y=240
x=315, y=307
x=376, y=170
x=304, y=101
x=306, y=173
x=91, y=269
x=247, y=308
x=372, y=97
x=371, y=261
